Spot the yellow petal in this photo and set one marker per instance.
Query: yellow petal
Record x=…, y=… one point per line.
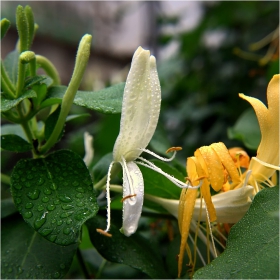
x=226, y=160
x=213, y=164
x=240, y=157
x=268, y=118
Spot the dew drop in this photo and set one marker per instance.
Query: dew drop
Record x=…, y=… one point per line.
x=20, y=270
x=80, y=204
x=80, y=190
x=52, y=237
x=47, y=191
x=45, y=199
x=62, y=266
x=40, y=207
x=46, y=231
x=66, y=231
x=56, y=202
x=28, y=214
x=34, y=194
x=53, y=187
x=69, y=221
x=75, y=184
x=67, y=206
x=64, y=198
x=51, y=207
x=40, y=221
x=41, y=181
x=18, y=200
x=39, y=266
x=17, y=186
x=79, y=195
x=59, y=223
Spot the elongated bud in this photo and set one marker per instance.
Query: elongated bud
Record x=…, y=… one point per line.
x=22, y=28
x=30, y=24
x=5, y=25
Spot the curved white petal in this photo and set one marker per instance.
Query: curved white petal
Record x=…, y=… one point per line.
x=140, y=107
x=133, y=184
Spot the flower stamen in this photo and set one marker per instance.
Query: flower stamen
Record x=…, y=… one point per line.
x=128, y=196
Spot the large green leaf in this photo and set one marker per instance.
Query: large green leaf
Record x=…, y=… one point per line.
x=7, y=104
x=54, y=195
x=11, y=65
x=252, y=250
x=107, y=100
x=14, y=143
x=13, y=129
x=134, y=251
x=26, y=254
x=247, y=130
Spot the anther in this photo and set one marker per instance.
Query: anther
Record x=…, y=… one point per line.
x=101, y=231
x=126, y=197
x=174, y=149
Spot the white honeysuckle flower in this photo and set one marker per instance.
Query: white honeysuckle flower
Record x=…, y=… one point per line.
x=139, y=118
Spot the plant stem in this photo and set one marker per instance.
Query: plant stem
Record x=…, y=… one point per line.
x=100, y=270
x=49, y=68
x=5, y=179
x=82, y=264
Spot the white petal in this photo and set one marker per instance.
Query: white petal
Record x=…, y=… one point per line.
x=140, y=107
x=132, y=207
x=230, y=206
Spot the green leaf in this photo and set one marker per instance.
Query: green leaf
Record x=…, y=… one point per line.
x=50, y=124
x=54, y=195
x=158, y=185
x=107, y=100
x=11, y=65
x=252, y=250
x=27, y=255
x=14, y=143
x=134, y=251
x=13, y=129
x=31, y=81
x=76, y=116
x=7, y=104
x=247, y=130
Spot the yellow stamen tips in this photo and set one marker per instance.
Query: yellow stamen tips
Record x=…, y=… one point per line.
x=103, y=232
x=128, y=196
x=174, y=149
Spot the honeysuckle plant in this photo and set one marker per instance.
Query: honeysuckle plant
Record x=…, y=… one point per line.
x=62, y=208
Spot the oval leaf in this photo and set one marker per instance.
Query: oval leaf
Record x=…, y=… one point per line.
x=11, y=65
x=14, y=143
x=26, y=254
x=252, y=250
x=54, y=195
x=107, y=100
x=7, y=104
x=134, y=251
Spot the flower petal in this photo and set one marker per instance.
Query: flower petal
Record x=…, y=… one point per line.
x=230, y=206
x=222, y=152
x=133, y=184
x=211, y=162
x=140, y=107
x=268, y=118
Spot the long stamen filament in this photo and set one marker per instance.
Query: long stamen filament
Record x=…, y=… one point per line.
x=159, y=157
x=127, y=176
x=108, y=197
x=177, y=182
x=211, y=234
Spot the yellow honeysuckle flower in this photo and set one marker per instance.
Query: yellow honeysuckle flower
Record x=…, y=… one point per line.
x=265, y=163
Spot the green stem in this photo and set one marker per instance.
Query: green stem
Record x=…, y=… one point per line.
x=22, y=28
x=5, y=179
x=67, y=101
x=102, y=183
x=49, y=68
x=21, y=77
x=9, y=87
x=82, y=264
x=5, y=25
x=101, y=268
